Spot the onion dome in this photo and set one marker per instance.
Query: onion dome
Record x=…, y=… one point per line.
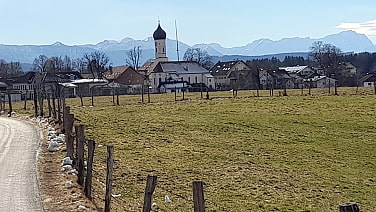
x=159, y=33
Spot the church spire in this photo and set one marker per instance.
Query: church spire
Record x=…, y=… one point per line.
x=159, y=36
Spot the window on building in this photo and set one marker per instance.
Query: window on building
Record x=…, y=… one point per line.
x=195, y=79
x=189, y=79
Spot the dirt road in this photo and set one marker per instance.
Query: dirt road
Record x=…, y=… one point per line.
x=19, y=143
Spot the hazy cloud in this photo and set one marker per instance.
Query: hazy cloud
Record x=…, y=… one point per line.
x=368, y=28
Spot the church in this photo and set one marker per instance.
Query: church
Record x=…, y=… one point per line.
x=164, y=76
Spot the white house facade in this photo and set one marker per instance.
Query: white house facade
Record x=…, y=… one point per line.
x=187, y=73
x=163, y=76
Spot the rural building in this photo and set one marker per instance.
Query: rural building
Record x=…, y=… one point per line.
x=234, y=75
x=348, y=69
x=163, y=76
x=368, y=80
x=25, y=85
x=125, y=79
x=275, y=79
x=177, y=74
x=321, y=82
x=300, y=70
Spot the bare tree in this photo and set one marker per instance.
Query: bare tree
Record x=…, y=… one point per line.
x=54, y=65
x=326, y=56
x=4, y=72
x=133, y=57
x=79, y=65
x=67, y=64
x=15, y=69
x=200, y=56
x=11, y=69
x=40, y=63
x=96, y=63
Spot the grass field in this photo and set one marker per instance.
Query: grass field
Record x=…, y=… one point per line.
x=294, y=153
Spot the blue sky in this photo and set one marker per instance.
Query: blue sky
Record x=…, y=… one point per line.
x=229, y=23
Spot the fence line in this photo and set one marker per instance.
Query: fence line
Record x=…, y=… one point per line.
x=76, y=152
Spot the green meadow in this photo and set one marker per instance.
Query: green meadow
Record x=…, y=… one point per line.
x=282, y=153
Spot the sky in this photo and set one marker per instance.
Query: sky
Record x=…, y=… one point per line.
x=229, y=23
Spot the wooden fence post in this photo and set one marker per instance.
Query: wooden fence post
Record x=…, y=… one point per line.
x=151, y=183
x=113, y=96
x=10, y=103
x=89, y=175
x=198, y=196
x=80, y=139
x=59, y=111
x=69, y=119
x=35, y=103
x=109, y=179
x=49, y=105
x=1, y=103
x=349, y=207
x=66, y=111
x=54, y=107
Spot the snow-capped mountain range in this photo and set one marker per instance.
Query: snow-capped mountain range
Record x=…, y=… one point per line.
x=347, y=41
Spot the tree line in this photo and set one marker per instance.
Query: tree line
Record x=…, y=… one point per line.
x=323, y=56
x=11, y=69
x=94, y=63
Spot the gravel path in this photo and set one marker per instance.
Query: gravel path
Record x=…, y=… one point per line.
x=19, y=143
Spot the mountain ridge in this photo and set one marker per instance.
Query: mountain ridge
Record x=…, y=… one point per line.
x=347, y=41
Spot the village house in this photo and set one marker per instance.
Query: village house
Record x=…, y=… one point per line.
x=169, y=75
x=320, y=82
x=348, y=69
x=4, y=87
x=125, y=79
x=25, y=85
x=163, y=76
x=49, y=83
x=368, y=80
x=276, y=79
x=234, y=75
x=303, y=71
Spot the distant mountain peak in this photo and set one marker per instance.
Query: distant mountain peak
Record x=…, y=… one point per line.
x=347, y=41
x=58, y=43
x=126, y=40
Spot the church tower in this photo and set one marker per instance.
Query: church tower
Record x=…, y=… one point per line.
x=159, y=36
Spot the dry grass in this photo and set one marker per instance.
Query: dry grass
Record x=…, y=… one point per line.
x=295, y=153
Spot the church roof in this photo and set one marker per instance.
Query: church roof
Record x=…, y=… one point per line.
x=180, y=67
x=159, y=33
